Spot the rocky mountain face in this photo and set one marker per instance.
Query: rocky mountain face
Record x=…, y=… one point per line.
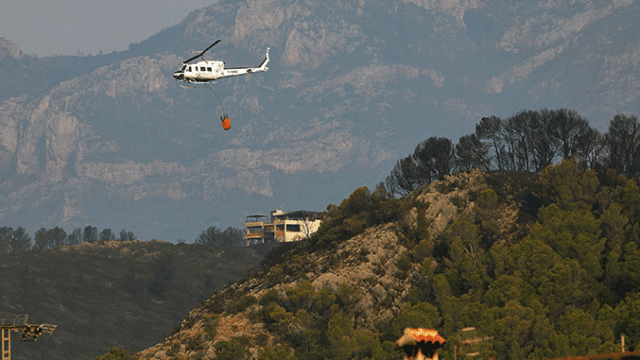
x=112, y=293
x=113, y=141
x=372, y=268
x=9, y=50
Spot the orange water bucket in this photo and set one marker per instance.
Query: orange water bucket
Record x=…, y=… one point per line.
x=226, y=123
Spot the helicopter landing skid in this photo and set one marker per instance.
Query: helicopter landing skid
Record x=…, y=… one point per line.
x=203, y=86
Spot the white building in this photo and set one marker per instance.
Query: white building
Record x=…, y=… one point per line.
x=283, y=227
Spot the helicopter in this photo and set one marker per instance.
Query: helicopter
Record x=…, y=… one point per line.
x=205, y=71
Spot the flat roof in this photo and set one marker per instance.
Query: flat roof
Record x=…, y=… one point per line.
x=297, y=212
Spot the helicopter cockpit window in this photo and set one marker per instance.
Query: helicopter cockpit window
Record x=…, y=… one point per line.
x=183, y=67
x=189, y=69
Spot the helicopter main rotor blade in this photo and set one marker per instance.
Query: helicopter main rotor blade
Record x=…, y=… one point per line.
x=202, y=52
x=210, y=46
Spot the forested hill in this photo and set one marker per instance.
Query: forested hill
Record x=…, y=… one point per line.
x=529, y=140
x=546, y=264
x=104, y=293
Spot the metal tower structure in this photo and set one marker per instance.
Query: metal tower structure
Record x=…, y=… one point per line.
x=18, y=323
x=469, y=343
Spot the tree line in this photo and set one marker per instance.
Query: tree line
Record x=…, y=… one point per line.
x=13, y=241
x=526, y=141
x=229, y=237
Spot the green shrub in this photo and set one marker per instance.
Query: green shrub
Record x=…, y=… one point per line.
x=234, y=349
x=269, y=297
x=175, y=347
x=278, y=352
x=116, y=353
x=276, y=317
x=413, y=234
x=276, y=274
x=300, y=295
x=211, y=324
x=423, y=250
x=404, y=262
x=195, y=344
x=361, y=210
x=239, y=302
x=422, y=314
x=458, y=201
x=347, y=297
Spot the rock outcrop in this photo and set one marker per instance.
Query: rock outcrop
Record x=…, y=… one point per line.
x=9, y=50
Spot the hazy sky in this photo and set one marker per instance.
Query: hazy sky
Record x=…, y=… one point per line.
x=64, y=27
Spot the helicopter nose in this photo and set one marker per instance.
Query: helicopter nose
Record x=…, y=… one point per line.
x=178, y=75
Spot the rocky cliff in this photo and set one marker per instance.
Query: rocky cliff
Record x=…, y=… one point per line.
x=9, y=50
x=112, y=141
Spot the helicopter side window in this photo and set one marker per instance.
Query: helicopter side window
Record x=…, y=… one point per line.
x=189, y=69
x=202, y=68
x=208, y=69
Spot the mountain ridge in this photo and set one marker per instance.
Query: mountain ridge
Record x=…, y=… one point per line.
x=350, y=86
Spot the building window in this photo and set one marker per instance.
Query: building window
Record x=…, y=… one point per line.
x=293, y=227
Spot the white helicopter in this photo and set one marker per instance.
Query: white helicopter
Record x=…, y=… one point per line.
x=205, y=71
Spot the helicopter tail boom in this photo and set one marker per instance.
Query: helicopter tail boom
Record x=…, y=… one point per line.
x=244, y=71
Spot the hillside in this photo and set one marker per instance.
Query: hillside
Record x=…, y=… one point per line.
x=124, y=293
x=369, y=277
x=112, y=141
x=546, y=264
